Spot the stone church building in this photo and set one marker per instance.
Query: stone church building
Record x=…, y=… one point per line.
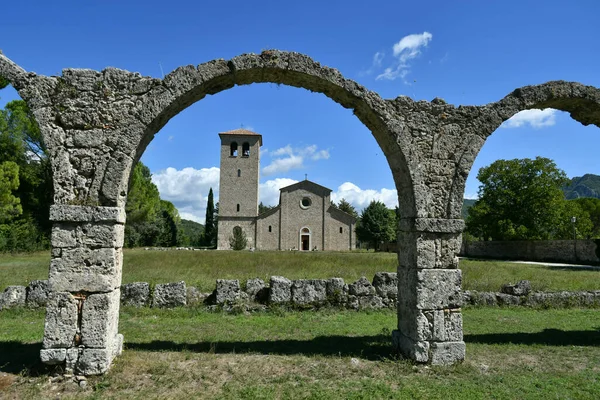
x=305, y=219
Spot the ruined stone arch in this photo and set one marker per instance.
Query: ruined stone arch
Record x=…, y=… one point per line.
x=580, y=101
x=97, y=124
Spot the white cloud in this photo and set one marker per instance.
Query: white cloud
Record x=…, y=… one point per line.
x=188, y=189
x=534, y=118
x=407, y=49
x=269, y=190
x=410, y=46
x=360, y=198
x=293, y=158
x=171, y=138
x=282, y=165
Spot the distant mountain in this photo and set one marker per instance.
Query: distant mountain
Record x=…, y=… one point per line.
x=585, y=186
x=467, y=203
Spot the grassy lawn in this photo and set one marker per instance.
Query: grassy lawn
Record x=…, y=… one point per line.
x=189, y=353
x=202, y=268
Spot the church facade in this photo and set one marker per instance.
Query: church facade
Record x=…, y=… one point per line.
x=305, y=219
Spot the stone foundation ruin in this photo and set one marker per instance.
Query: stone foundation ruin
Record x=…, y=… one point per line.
x=97, y=124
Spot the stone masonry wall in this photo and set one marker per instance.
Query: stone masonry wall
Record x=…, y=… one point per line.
x=568, y=251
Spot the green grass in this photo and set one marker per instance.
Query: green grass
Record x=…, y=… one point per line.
x=202, y=268
x=189, y=353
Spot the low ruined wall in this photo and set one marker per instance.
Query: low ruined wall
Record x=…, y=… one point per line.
x=257, y=295
x=568, y=251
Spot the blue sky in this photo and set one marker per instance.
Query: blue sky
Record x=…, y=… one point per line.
x=464, y=52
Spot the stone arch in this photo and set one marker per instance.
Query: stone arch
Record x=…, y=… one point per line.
x=187, y=85
x=580, y=101
x=97, y=124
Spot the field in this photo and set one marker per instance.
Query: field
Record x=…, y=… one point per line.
x=202, y=268
x=192, y=353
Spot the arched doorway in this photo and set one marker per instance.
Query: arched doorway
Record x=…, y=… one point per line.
x=304, y=240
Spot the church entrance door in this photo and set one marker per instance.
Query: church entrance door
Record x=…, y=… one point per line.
x=304, y=239
x=305, y=242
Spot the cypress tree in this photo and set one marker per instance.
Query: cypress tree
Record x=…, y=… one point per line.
x=209, y=223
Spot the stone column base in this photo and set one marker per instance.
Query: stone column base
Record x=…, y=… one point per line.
x=82, y=360
x=435, y=353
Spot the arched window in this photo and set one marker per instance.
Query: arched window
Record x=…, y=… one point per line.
x=233, y=147
x=246, y=149
x=239, y=173
x=237, y=230
x=341, y=230
x=269, y=228
x=238, y=208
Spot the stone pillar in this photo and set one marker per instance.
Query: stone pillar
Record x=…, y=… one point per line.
x=82, y=314
x=429, y=291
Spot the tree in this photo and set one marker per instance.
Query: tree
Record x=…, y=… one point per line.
x=238, y=240
x=210, y=237
x=346, y=207
x=21, y=143
x=10, y=205
x=143, y=199
x=521, y=199
x=592, y=207
x=376, y=224
x=263, y=209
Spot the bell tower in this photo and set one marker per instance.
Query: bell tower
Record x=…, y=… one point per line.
x=238, y=184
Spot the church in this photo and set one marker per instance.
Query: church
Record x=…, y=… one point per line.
x=305, y=219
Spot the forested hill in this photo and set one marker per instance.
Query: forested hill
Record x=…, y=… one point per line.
x=584, y=186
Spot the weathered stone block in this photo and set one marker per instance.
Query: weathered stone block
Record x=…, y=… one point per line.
x=281, y=290
x=227, y=291
x=414, y=350
x=521, y=288
x=53, y=356
x=94, y=361
x=370, y=302
x=446, y=325
x=309, y=291
x=169, y=295
x=72, y=357
x=429, y=250
x=13, y=296
x=37, y=293
x=484, y=298
x=60, y=326
x=101, y=234
x=386, y=284
x=414, y=324
x=99, y=319
x=362, y=287
x=68, y=213
x=438, y=289
x=257, y=290
x=447, y=353
x=337, y=290
x=507, y=299
x=86, y=270
x=135, y=294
